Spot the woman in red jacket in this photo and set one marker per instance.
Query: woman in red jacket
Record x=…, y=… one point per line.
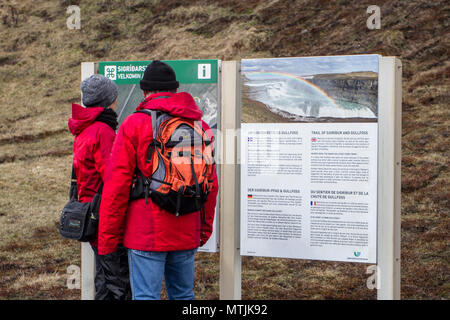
x=94, y=130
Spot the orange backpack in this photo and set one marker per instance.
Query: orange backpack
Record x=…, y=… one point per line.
x=182, y=157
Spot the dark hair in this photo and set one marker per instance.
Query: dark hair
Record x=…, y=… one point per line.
x=146, y=93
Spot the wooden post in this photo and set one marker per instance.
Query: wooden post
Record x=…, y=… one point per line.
x=87, y=254
x=389, y=178
x=230, y=258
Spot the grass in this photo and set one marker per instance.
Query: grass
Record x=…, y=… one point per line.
x=33, y=256
x=39, y=79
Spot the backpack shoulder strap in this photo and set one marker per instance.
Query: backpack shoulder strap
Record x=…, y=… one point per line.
x=157, y=118
x=154, y=115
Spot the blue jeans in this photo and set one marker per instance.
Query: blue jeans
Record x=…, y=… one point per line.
x=147, y=269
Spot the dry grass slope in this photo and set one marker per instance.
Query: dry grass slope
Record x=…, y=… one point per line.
x=39, y=79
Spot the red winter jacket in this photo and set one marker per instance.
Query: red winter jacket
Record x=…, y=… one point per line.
x=91, y=150
x=147, y=227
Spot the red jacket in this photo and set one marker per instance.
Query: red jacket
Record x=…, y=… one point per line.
x=147, y=227
x=91, y=150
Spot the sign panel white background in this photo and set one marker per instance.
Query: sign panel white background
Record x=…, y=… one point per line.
x=309, y=191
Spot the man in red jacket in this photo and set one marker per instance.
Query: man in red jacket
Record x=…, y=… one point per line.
x=160, y=244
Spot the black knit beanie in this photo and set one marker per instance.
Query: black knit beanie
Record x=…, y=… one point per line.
x=159, y=76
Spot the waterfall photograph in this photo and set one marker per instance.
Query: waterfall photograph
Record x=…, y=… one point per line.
x=311, y=89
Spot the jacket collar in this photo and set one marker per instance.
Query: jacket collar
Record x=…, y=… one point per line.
x=179, y=104
x=82, y=117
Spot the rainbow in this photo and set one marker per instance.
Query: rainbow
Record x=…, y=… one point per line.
x=302, y=80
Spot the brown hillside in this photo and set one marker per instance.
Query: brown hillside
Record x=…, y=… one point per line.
x=40, y=76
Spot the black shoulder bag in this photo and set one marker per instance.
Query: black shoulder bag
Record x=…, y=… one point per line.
x=79, y=220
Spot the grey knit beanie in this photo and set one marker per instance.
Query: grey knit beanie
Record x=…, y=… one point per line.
x=98, y=91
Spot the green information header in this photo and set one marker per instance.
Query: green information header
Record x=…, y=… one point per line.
x=187, y=71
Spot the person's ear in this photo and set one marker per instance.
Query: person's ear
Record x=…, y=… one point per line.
x=113, y=105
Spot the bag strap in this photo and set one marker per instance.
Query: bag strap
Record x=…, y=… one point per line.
x=73, y=193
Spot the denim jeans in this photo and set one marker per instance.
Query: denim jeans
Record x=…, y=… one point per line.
x=147, y=269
